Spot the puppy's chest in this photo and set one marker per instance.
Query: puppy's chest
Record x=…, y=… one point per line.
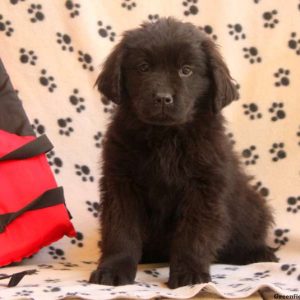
x=165, y=166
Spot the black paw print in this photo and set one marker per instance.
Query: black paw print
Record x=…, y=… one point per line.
x=109, y=106
x=294, y=43
x=277, y=111
x=209, y=31
x=65, y=41
x=293, y=204
x=65, y=129
x=298, y=135
x=191, y=6
x=252, y=55
x=86, y=61
x=51, y=289
x=238, y=87
x=47, y=81
x=106, y=31
x=153, y=18
x=77, y=101
x=278, y=150
x=27, y=56
x=73, y=7
x=23, y=293
x=129, y=4
x=280, y=236
x=263, y=191
x=263, y=274
x=37, y=127
x=252, y=111
x=78, y=239
x=269, y=18
x=14, y=2
x=84, y=171
x=289, y=269
x=250, y=156
x=283, y=77
x=36, y=11
x=56, y=253
x=152, y=272
x=94, y=208
x=6, y=26
x=236, y=30
x=231, y=138
x=55, y=162
x=98, y=138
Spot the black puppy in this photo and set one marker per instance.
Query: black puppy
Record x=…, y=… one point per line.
x=172, y=188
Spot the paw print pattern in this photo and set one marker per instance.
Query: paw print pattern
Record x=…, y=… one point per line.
x=152, y=272
x=36, y=11
x=65, y=41
x=252, y=55
x=109, y=106
x=73, y=8
x=5, y=26
x=209, y=31
x=14, y=2
x=84, y=172
x=283, y=77
x=263, y=191
x=65, y=129
x=55, y=162
x=280, y=236
x=77, y=101
x=269, y=18
x=47, y=81
x=278, y=150
x=250, y=156
x=56, y=253
x=27, y=57
x=106, y=31
x=293, y=204
x=98, y=138
x=294, y=43
x=261, y=275
x=277, y=112
x=289, y=269
x=236, y=30
x=86, y=61
x=129, y=4
x=94, y=208
x=231, y=138
x=24, y=293
x=252, y=111
x=190, y=7
x=298, y=135
x=38, y=127
x=78, y=239
x=52, y=289
x=153, y=18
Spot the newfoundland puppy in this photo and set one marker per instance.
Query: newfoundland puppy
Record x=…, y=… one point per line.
x=172, y=187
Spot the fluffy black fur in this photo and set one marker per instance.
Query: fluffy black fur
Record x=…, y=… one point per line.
x=172, y=188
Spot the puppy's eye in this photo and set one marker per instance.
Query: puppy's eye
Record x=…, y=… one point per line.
x=144, y=67
x=185, y=71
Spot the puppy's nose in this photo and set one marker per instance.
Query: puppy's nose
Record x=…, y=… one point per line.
x=163, y=99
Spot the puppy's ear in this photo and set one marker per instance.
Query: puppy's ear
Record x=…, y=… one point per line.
x=224, y=89
x=109, y=80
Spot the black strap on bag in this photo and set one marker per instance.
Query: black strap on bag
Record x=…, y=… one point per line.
x=17, y=277
x=49, y=198
x=35, y=147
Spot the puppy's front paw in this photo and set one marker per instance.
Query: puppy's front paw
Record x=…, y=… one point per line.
x=114, y=272
x=187, y=277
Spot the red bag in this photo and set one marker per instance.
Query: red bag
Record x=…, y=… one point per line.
x=32, y=208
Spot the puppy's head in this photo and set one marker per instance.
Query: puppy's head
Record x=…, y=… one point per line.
x=165, y=72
